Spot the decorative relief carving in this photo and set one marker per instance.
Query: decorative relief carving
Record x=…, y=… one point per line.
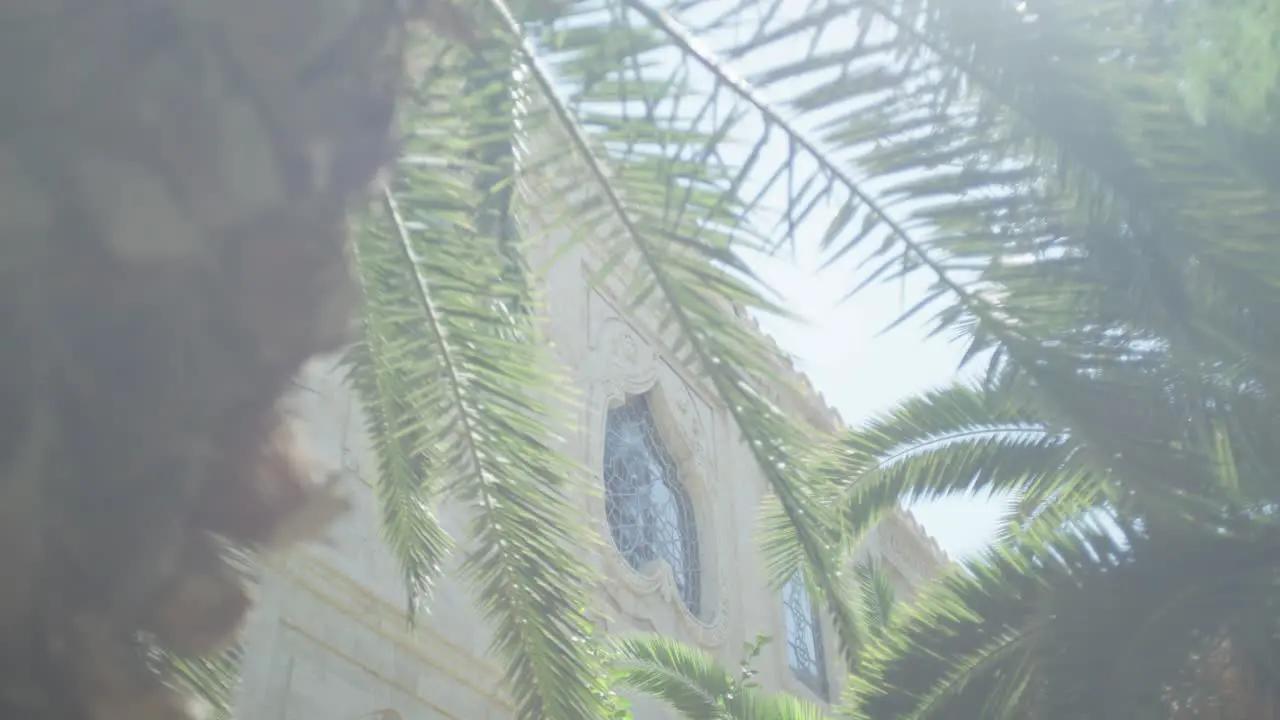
x=624, y=363
x=631, y=363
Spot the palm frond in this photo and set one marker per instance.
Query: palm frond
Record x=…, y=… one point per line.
x=693, y=684
x=381, y=365
x=463, y=400
x=957, y=440
x=782, y=706
x=1020, y=631
x=212, y=679
x=989, y=163
x=878, y=599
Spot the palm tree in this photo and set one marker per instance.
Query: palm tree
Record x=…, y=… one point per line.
x=1112, y=263
x=1075, y=226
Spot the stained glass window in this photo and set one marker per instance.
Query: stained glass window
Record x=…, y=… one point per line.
x=649, y=512
x=804, y=636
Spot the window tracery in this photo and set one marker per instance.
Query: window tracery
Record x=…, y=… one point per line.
x=649, y=512
x=804, y=636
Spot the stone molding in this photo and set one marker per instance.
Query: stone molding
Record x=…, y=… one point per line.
x=622, y=363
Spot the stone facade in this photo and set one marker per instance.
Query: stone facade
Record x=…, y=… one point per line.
x=329, y=640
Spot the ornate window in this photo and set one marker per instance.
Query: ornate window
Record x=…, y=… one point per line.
x=804, y=636
x=649, y=512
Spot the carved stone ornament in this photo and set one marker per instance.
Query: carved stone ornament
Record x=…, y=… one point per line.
x=623, y=364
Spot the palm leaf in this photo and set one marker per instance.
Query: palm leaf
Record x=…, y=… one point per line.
x=693, y=684
x=957, y=441
x=923, y=100
x=878, y=598
x=212, y=679
x=1019, y=633
x=452, y=366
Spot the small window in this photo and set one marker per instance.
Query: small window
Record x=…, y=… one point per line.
x=649, y=512
x=804, y=636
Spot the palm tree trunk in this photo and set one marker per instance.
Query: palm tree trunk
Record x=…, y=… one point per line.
x=174, y=178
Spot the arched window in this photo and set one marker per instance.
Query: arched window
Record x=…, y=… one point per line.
x=649, y=512
x=804, y=636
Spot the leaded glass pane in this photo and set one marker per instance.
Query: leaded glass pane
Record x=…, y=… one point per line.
x=804, y=636
x=649, y=512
